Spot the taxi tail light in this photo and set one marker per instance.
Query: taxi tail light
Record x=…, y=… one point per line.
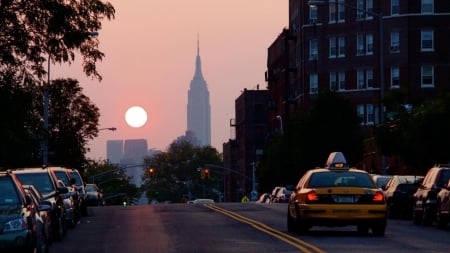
x=378, y=197
x=312, y=197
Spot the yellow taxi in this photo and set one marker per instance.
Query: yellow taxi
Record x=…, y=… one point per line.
x=337, y=195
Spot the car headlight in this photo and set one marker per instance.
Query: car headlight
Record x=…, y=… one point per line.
x=15, y=225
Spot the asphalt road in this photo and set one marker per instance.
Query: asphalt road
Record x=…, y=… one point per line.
x=231, y=227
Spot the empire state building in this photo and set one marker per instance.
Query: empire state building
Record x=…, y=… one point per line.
x=198, y=107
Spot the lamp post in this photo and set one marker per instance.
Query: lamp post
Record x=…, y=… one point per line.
x=281, y=123
x=44, y=143
x=378, y=15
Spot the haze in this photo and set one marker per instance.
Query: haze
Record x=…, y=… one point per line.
x=150, y=60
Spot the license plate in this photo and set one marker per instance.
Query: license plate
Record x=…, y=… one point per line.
x=345, y=199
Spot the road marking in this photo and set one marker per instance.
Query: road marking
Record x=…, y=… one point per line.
x=287, y=238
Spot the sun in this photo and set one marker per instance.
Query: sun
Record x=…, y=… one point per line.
x=136, y=116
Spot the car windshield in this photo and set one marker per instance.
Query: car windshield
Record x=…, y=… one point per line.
x=62, y=175
x=8, y=192
x=77, y=178
x=41, y=181
x=336, y=179
x=91, y=188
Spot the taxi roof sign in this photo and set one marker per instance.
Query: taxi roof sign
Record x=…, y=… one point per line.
x=336, y=160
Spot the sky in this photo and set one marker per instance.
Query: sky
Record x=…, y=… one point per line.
x=150, y=50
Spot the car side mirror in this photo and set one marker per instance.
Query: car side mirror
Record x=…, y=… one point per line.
x=28, y=200
x=62, y=190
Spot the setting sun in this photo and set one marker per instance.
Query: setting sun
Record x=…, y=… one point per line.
x=136, y=116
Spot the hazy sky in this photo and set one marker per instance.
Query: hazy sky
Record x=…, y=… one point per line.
x=150, y=50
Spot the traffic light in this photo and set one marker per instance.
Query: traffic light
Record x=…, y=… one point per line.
x=151, y=172
x=206, y=171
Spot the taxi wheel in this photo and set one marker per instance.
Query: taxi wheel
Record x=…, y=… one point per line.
x=442, y=220
x=379, y=229
x=290, y=222
x=362, y=229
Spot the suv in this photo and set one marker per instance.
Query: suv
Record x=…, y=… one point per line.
x=18, y=230
x=71, y=199
x=425, y=198
x=46, y=182
x=81, y=188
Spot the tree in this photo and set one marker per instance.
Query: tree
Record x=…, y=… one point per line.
x=177, y=171
x=113, y=182
x=20, y=124
x=73, y=121
x=331, y=124
x=33, y=32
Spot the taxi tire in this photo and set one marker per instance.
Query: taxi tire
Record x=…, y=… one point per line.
x=363, y=229
x=379, y=228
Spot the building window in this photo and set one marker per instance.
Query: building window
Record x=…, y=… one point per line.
x=337, y=81
x=364, y=8
x=364, y=44
x=333, y=81
x=427, y=78
x=364, y=79
x=395, y=7
x=369, y=44
x=337, y=47
x=426, y=40
x=336, y=11
x=341, y=47
x=313, y=49
x=360, y=79
x=360, y=109
x=313, y=14
x=395, y=42
x=427, y=6
x=370, y=115
x=313, y=84
x=341, y=77
x=333, y=48
x=369, y=78
x=395, y=78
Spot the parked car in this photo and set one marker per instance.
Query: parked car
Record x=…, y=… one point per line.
x=18, y=230
x=399, y=193
x=381, y=180
x=282, y=195
x=46, y=182
x=264, y=198
x=43, y=221
x=443, y=200
x=94, y=195
x=274, y=193
x=71, y=198
x=425, y=198
x=79, y=182
x=337, y=195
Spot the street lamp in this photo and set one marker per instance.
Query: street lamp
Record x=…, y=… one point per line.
x=378, y=15
x=44, y=143
x=281, y=123
x=108, y=128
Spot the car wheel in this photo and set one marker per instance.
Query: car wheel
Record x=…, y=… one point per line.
x=300, y=226
x=362, y=229
x=379, y=228
x=417, y=217
x=426, y=216
x=442, y=220
x=59, y=232
x=290, y=222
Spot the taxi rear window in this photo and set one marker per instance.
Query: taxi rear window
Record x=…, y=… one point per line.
x=336, y=179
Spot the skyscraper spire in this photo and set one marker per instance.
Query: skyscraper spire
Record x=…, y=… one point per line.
x=198, y=63
x=198, y=108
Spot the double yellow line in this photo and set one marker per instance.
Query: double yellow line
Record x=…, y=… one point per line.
x=287, y=238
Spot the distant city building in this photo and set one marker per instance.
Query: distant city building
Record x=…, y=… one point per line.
x=114, y=151
x=189, y=137
x=135, y=150
x=198, y=107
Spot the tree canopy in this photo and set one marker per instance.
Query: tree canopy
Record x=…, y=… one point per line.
x=33, y=32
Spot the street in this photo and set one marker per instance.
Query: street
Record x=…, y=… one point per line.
x=231, y=227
